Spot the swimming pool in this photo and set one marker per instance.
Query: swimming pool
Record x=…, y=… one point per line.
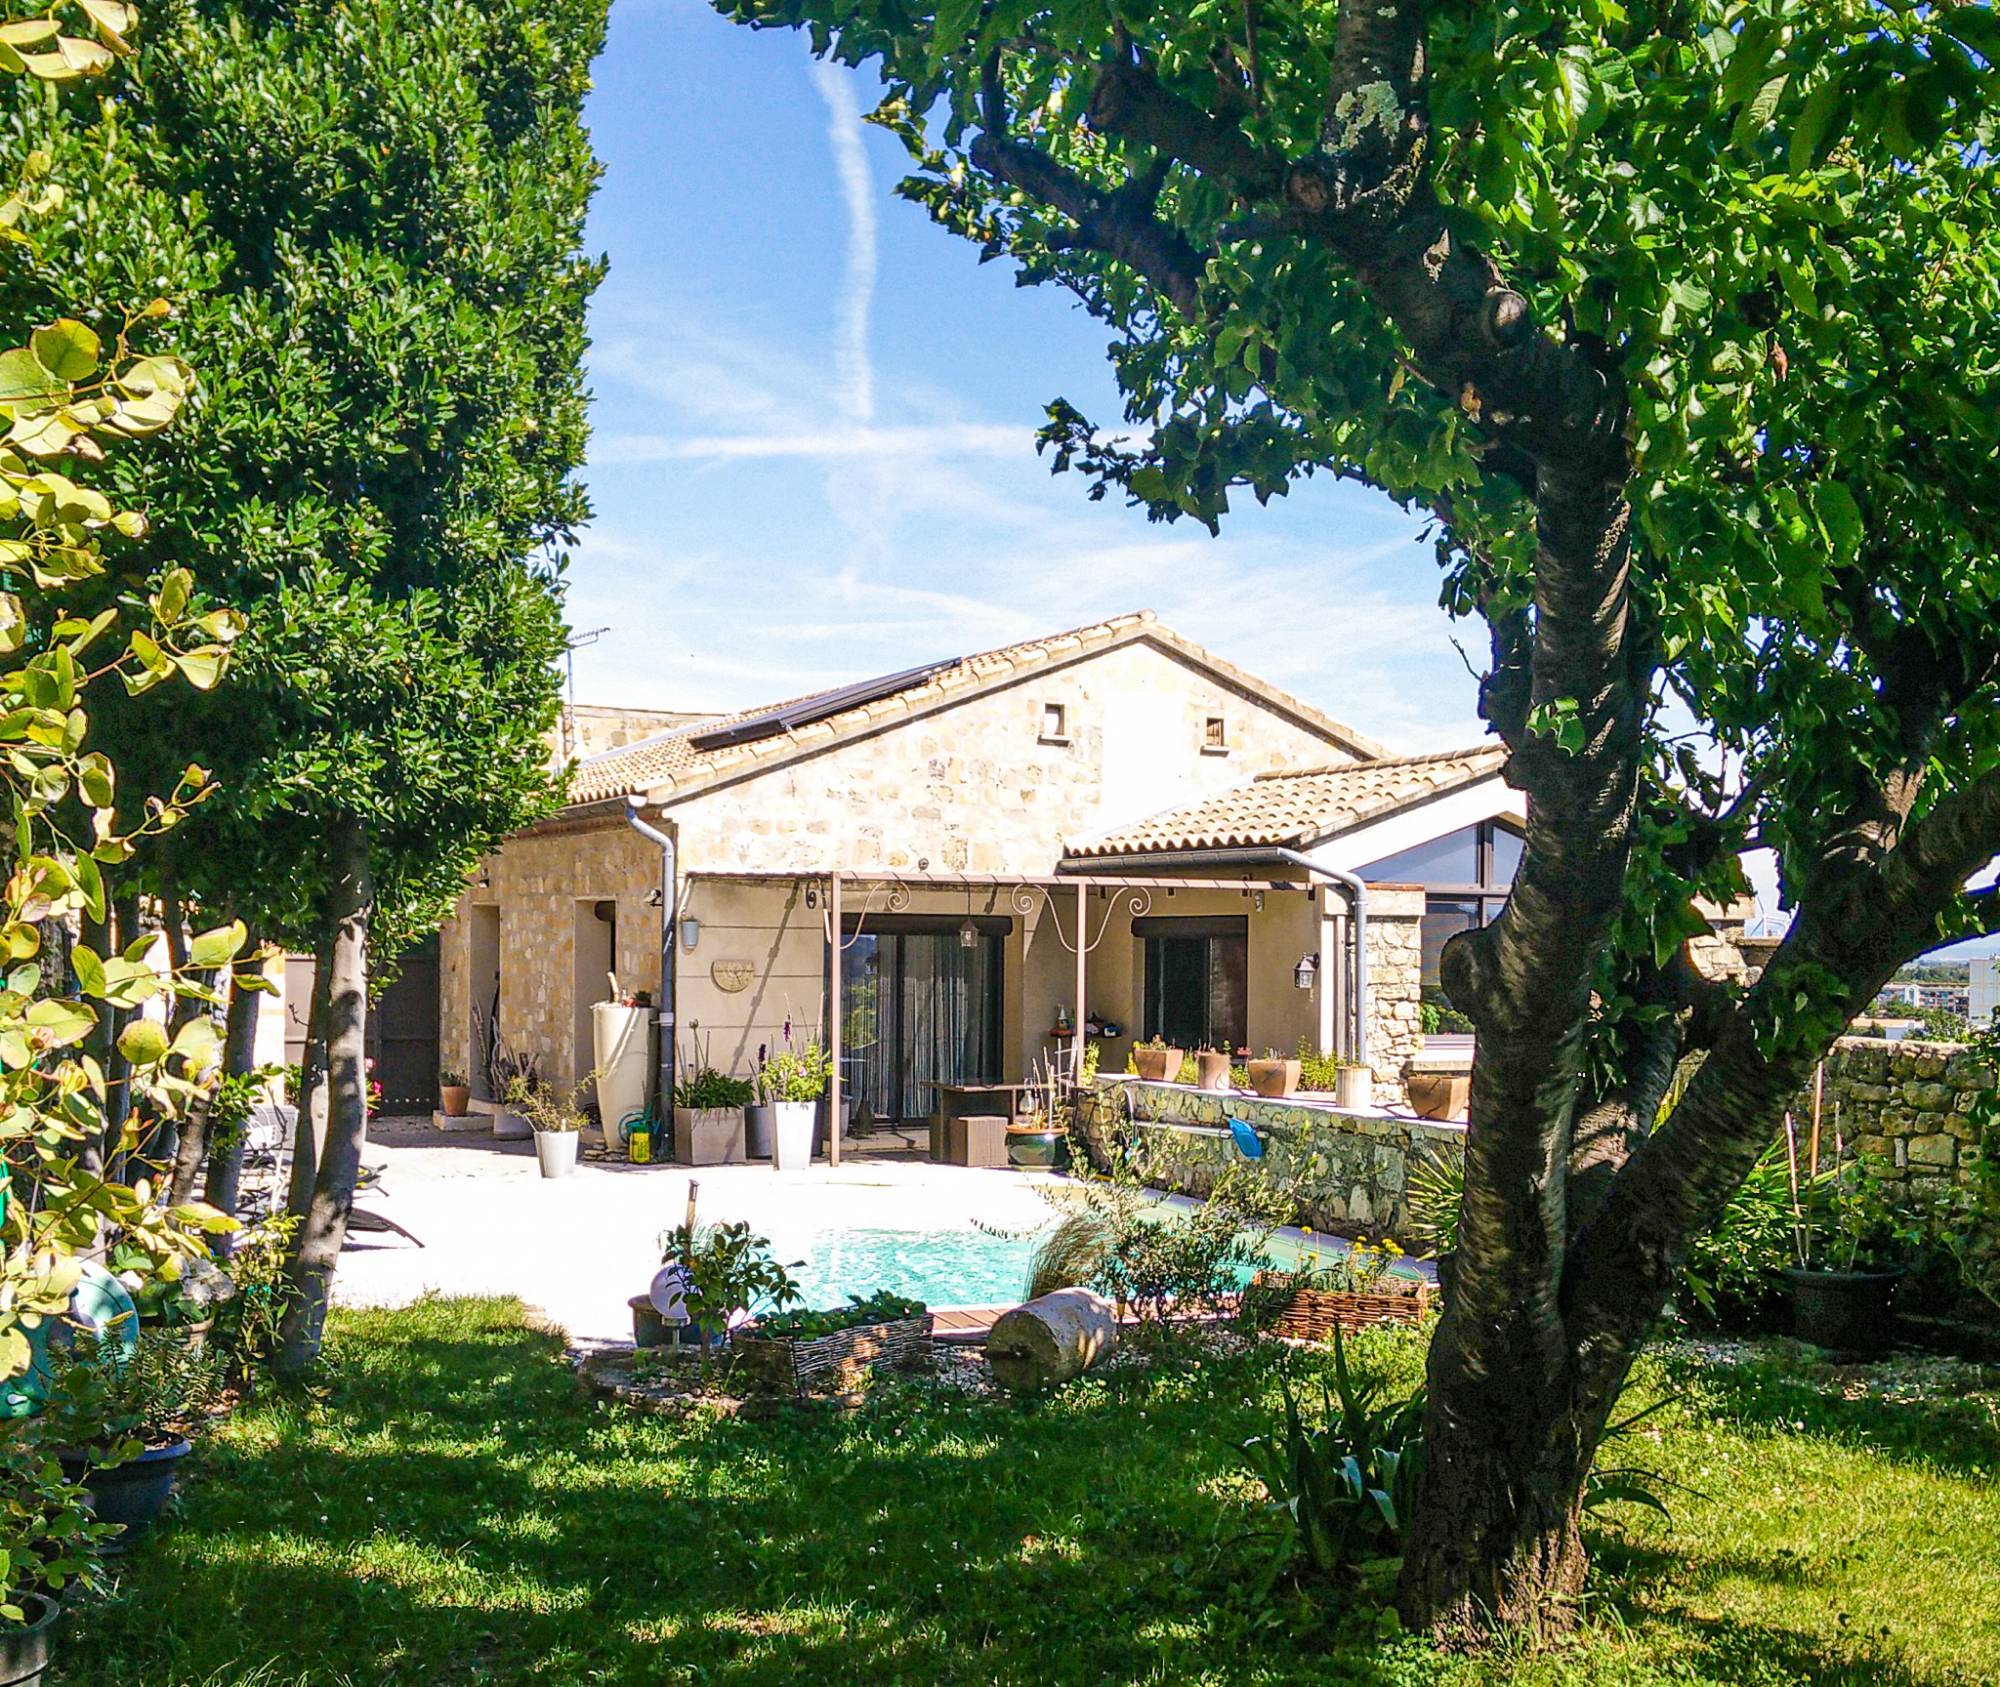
x=963, y=1265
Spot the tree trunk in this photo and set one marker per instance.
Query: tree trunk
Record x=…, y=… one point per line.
x=1051, y=1339
x=310, y=1130
x=239, y=1055
x=317, y=1252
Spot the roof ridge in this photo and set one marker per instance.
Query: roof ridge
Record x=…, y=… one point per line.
x=1368, y=763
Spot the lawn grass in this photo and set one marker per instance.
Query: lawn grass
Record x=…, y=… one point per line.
x=454, y=1511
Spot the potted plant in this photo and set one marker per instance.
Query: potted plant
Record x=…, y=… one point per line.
x=454, y=1093
x=1212, y=1068
x=119, y=1422
x=711, y=1276
x=1275, y=1076
x=510, y=1073
x=174, y=1297
x=802, y=1353
x=557, y=1123
x=1157, y=1061
x=1843, y=1285
x=48, y=1539
x=709, y=1118
x=1354, y=1086
x=791, y=1083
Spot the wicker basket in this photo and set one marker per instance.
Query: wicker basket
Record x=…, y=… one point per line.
x=1308, y=1314
x=835, y=1364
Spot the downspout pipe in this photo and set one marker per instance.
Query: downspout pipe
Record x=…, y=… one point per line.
x=1355, y=887
x=669, y=918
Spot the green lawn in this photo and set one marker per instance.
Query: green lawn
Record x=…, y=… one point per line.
x=455, y=1511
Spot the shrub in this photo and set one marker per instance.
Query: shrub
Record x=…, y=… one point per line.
x=47, y=1523
x=725, y=1269
x=1339, y=1494
x=115, y=1405
x=880, y=1308
x=1734, y=1270
x=710, y=1088
x=1435, y=1190
x=247, y=1323
x=1155, y=1258
x=797, y=1072
x=1318, y=1071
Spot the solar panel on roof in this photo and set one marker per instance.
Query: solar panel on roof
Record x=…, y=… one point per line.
x=790, y=716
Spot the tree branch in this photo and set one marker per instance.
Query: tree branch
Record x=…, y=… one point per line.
x=1120, y=224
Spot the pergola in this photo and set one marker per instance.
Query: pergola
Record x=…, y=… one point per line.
x=891, y=892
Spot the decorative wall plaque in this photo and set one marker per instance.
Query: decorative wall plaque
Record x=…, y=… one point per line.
x=732, y=976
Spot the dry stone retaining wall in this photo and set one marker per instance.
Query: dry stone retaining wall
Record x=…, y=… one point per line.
x=1352, y=1168
x=1906, y=1107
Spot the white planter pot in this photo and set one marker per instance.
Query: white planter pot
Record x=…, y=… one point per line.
x=1354, y=1087
x=556, y=1151
x=792, y=1134
x=708, y=1136
x=510, y=1126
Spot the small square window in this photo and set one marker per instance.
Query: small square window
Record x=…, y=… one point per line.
x=1055, y=723
x=1215, y=736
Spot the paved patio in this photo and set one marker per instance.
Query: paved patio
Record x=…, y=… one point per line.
x=576, y=1247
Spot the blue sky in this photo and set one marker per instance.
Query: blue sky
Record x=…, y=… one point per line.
x=813, y=431
x=813, y=461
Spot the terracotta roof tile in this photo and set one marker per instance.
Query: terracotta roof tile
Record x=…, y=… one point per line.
x=1291, y=810
x=669, y=763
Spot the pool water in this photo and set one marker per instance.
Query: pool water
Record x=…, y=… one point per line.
x=952, y=1267
x=937, y=1267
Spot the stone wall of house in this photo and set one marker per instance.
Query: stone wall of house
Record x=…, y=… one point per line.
x=980, y=786
x=1395, y=985
x=521, y=925
x=1352, y=1169
x=1905, y=1106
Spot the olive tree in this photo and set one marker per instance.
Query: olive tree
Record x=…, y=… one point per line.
x=1677, y=317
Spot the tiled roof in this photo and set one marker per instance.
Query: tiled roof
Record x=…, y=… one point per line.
x=1291, y=810
x=668, y=763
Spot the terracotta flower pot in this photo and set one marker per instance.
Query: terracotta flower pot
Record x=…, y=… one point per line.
x=1157, y=1065
x=1274, y=1079
x=1439, y=1095
x=1213, y=1069
x=454, y=1099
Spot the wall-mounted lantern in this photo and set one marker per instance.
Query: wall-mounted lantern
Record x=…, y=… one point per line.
x=1306, y=973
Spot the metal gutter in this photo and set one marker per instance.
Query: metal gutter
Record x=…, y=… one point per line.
x=669, y=919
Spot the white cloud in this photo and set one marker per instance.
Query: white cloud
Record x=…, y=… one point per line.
x=851, y=354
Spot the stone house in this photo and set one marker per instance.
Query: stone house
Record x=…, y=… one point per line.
x=956, y=868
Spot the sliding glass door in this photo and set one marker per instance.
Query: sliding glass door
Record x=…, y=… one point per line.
x=919, y=1007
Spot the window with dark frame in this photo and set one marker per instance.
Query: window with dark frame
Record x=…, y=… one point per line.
x=1195, y=981
x=1466, y=876
x=1215, y=735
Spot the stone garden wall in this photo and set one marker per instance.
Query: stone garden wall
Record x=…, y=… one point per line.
x=1905, y=1106
x=1352, y=1168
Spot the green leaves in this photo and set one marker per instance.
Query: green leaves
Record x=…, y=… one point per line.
x=67, y=350
x=143, y=1042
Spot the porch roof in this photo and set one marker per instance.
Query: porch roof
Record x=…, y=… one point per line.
x=1266, y=879
x=1297, y=809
